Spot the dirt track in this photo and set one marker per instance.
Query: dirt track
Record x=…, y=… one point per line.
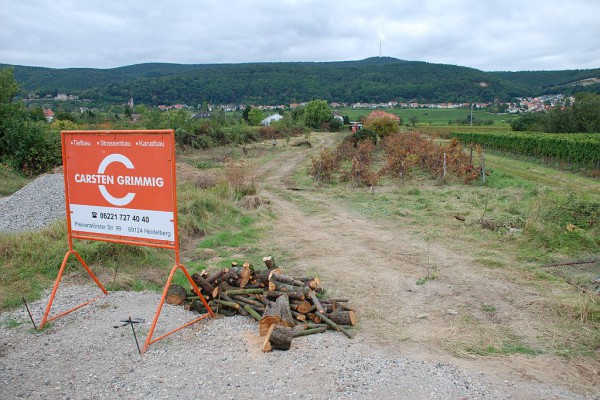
x=377, y=265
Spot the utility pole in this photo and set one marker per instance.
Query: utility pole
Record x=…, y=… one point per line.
x=471, y=114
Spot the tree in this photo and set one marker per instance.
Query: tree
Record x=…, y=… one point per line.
x=529, y=122
x=8, y=86
x=316, y=113
x=583, y=116
x=586, y=112
x=382, y=125
x=246, y=112
x=297, y=115
x=10, y=113
x=255, y=116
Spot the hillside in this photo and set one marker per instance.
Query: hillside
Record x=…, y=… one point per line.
x=371, y=80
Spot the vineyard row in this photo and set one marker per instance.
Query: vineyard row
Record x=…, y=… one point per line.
x=576, y=148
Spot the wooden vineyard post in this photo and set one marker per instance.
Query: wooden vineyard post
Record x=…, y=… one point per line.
x=482, y=165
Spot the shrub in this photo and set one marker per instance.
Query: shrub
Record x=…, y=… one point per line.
x=240, y=177
x=33, y=148
x=323, y=167
x=360, y=172
x=382, y=125
x=364, y=134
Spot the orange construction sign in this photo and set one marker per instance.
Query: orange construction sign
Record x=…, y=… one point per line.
x=119, y=186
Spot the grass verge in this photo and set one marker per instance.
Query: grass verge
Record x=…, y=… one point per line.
x=30, y=260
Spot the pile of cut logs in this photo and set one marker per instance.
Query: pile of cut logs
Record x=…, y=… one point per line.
x=284, y=307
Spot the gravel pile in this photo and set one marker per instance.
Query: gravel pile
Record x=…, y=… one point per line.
x=35, y=206
x=83, y=356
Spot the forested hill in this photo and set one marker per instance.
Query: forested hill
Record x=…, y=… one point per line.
x=375, y=79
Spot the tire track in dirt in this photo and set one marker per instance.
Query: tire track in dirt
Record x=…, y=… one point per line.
x=376, y=264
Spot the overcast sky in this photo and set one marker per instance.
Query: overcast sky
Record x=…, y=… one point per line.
x=490, y=35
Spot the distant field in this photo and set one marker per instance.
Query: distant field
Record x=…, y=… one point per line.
x=433, y=116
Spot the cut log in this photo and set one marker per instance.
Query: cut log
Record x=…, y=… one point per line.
x=233, y=292
x=233, y=275
x=263, y=275
x=245, y=275
x=263, y=299
x=310, y=282
x=335, y=301
x=267, y=344
x=224, y=297
x=298, y=316
x=311, y=325
x=254, y=286
x=342, y=317
x=216, y=276
x=300, y=306
x=192, y=298
x=334, y=325
x=285, y=279
x=277, y=338
x=316, y=302
x=284, y=287
x=248, y=300
x=313, y=317
x=176, y=295
x=223, y=287
x=203, y=284
x=311, y=331
x=269, y=262
x=198, y=306
x=225, y=311
x=314, y=283
x=252, y=312
x=230, y=304
x=292, y=295
x=277, y=312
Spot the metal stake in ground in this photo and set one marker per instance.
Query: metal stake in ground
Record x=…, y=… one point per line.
x=135, y=336
x=29, y=312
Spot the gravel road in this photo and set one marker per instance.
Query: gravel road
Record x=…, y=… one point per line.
x=34, y=206
x=83, y=356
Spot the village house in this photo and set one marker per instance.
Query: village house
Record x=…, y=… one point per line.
x=267, y=121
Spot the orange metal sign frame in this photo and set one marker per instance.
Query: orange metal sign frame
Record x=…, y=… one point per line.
x=120, y=187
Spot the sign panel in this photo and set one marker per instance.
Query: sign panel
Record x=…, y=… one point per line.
x=120, y=185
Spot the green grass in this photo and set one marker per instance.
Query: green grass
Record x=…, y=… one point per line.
x=30, y=260
x=239, y=238
x=10, y=180
x=488, y=308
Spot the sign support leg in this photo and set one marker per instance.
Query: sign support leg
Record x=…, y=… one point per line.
x=45, y=319
x=210, y=313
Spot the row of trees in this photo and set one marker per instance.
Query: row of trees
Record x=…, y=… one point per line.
x=31, y=145
x=583, y=116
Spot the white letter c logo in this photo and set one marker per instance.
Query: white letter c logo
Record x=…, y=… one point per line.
x=117, y=201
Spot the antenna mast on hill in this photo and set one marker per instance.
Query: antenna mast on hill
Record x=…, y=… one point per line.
x=380, y=48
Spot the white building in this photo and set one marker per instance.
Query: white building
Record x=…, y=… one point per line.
x=271, y=118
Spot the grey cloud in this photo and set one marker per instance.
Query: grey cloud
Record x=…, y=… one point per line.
x=489, y=35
